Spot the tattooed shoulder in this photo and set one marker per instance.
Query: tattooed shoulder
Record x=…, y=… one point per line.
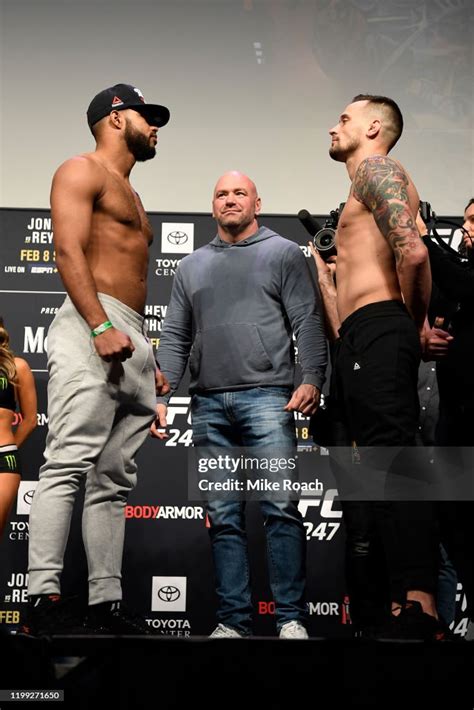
x=381, y=184
x=379, y=178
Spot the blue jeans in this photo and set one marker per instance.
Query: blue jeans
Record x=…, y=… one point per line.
x=249, y=418
x=447, y=588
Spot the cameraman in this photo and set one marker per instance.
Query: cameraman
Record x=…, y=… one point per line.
x=454, y=277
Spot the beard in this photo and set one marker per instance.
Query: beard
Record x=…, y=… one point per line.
x=138, y=144
x=341, y=153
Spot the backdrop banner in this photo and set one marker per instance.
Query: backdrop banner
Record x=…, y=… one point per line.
x=167, y=567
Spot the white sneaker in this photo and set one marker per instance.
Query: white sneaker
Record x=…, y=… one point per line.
x=293, y=630
x=225, y=632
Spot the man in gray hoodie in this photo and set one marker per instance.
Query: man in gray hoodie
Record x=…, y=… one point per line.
x=234, y=307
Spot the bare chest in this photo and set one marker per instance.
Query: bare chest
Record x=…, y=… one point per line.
x=355, y=223
x=120, y=204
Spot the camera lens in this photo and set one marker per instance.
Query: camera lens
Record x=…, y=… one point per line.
x=324, y=239
x=325, y=242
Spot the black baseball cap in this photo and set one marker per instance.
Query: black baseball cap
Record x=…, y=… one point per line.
x=120, y=97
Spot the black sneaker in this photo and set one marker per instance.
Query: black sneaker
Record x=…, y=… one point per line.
x=114, y=618
x=365, y=632
x=413, y=624
x=366, y=627
x=50, y=614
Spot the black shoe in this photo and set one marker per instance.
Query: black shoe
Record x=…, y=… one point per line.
x=50, y=614
x=413, y=624
x=114, y=618
x=366, y=626
x=366, y=632
x=445, y=634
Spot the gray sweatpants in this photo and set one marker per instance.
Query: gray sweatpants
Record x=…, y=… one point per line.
x=99, y=415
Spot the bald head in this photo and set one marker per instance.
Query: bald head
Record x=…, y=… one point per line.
x=235, y=206
x=234, y=177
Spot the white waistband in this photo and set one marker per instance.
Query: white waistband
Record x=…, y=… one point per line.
x=9, y=447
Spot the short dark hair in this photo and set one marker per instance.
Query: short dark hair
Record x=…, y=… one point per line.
x=96, y=129
x=471, y=202
x=393, y=110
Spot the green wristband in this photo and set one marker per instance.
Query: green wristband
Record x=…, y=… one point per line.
x=101, y=328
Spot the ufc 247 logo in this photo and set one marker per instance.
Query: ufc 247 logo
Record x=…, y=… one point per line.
x=178, y=405
x=326, y=529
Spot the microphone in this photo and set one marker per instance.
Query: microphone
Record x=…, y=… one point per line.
x=308, y=222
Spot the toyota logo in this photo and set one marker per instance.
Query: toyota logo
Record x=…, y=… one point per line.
x=169, y=594
x=177, y=237
x=28, y=497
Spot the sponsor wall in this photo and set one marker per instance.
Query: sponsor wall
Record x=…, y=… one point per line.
x=167, y=566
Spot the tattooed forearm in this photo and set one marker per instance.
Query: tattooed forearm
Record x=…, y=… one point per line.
x=381, y=185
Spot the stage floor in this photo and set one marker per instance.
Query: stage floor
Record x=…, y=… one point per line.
x=167, y=672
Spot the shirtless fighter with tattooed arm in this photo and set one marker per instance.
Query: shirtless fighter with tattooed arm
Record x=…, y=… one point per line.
x=383, y=290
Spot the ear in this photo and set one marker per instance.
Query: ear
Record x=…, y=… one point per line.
x=117, y=120
x=374, y=128
x=258, y=205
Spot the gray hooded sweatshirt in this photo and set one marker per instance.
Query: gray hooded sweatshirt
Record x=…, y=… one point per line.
x=232, y=313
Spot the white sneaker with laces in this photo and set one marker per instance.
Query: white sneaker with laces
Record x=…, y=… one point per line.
x=225, y=632
x=293, y=630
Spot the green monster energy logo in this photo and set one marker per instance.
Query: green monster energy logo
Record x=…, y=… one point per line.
x=11, y=461
x=3, y=383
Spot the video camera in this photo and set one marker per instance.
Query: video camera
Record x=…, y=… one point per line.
x=324, y=238
x=426, y=213
x=431, y=220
